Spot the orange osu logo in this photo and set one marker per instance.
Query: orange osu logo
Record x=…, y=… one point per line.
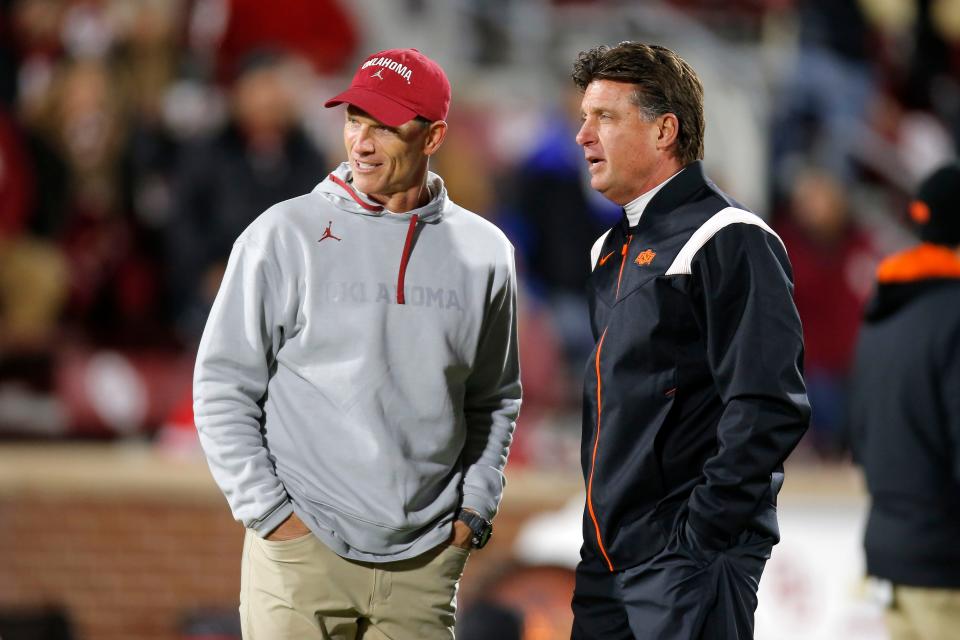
x=645, y=257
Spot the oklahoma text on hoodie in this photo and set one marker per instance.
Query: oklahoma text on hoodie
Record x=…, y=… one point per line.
x=360, y=368
x=693, y=396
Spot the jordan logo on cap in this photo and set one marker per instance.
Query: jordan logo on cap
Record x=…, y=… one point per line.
x=378, y=74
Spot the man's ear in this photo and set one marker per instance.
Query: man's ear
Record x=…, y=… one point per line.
x=436, y=132
x=669, y=127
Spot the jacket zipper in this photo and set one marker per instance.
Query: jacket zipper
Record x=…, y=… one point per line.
x=596, y=441
x=623, y=261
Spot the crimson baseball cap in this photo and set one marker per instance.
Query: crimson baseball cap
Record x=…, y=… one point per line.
x=397, y=85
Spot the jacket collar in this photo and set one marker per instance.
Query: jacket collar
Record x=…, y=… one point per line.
x=679, y=190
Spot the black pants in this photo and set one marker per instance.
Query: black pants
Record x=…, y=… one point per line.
x=685, y=592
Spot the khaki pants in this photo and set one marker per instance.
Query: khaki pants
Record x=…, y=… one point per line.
x=298, y=589
x=924, y=614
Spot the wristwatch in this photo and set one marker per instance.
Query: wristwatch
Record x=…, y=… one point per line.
x=482, y=529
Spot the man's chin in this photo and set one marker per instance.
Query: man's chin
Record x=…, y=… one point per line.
x=599, y=185
x=610, y=194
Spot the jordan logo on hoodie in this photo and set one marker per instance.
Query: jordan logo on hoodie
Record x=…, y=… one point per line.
x=328, y=234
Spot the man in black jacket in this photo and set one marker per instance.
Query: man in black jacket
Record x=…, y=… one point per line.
x=693, y=396
x=905, y=420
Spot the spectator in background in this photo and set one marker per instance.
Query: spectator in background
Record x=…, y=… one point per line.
x=927, y=75
x=262, y=156
x=826, y=93
x=32, y=271
x=905, y=419
x=833, y=261
x=146, y=58
x=320, y=31
x=77, y=139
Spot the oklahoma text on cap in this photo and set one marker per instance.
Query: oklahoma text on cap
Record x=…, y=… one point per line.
x=397, y=85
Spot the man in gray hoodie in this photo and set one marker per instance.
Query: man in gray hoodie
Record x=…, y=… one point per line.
x=357, y=383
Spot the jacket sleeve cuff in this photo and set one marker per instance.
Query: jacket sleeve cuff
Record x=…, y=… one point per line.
x=272, y=520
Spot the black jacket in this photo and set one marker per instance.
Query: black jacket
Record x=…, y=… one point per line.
x=693, y=395
x=905, y=419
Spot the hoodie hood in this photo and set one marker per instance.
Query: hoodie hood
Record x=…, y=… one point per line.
x=905, y=276
x=338, y=189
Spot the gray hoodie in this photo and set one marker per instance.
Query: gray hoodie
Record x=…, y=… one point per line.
x=371, y=412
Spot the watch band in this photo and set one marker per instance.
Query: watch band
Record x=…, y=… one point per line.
x=482, y=529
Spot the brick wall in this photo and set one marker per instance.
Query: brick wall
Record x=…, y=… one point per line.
x=122, y=568
x=130, y=542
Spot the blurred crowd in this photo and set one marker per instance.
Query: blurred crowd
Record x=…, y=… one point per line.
x=138, y=138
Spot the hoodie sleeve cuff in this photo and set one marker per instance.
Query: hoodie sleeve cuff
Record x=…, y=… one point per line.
x=480, y=505
x=272, y=520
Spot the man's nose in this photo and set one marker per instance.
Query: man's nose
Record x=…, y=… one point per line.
x=585, y=134
x=363, y=142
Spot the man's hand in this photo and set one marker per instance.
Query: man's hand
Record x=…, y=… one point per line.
x=289, y=529
x=462, y=536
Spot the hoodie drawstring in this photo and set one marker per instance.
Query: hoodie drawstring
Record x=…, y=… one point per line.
x=406, y=245
x=406, y=257
x=353, y=194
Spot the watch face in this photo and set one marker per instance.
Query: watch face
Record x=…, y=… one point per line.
x=482, y=530
x=481, y=540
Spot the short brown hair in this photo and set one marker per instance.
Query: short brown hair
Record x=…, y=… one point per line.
x=665, y=84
